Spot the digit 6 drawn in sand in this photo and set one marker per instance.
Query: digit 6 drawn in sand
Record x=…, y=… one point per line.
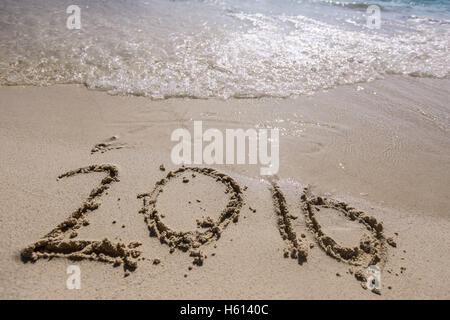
x=54, y=245
x=192, y=240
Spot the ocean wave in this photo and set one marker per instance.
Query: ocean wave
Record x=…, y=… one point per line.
x=217, y=54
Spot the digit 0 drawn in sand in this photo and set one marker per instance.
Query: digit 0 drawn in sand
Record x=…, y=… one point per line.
x=192, y=240
x=372, y=249
x=54, y=245
x=107, y=145
x=297, y=248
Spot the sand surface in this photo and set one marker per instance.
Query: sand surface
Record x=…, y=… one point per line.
x=382, y=148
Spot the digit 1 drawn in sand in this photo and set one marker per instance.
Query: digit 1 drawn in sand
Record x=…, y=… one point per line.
x=372, y=247
x=296, y=247
x=54, y=245
x=192, y=240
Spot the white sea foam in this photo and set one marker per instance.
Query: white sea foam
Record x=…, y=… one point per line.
x=163, y=49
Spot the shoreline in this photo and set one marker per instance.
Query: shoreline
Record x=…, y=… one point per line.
x=382, y=147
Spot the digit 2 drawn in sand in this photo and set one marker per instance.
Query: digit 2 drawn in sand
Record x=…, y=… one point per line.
x=54, y=245
x=192, y=240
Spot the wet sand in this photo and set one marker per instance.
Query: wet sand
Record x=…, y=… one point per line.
x=382, y=148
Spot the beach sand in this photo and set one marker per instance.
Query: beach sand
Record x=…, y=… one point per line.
x=383, y=148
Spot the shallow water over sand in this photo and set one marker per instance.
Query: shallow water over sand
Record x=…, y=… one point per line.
x=223, y=49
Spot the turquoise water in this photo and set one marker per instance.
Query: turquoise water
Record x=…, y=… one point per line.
x=221, y=48
x=431, y=8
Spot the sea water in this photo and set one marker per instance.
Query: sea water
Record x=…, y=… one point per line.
x=221, y=48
